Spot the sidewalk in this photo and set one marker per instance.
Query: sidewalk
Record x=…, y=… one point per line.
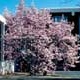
x=58, y=75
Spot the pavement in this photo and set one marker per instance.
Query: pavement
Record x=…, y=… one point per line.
x=59, y=75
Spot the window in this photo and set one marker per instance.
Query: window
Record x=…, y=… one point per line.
x=58, y=18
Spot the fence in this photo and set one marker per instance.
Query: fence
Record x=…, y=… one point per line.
x=7, y=67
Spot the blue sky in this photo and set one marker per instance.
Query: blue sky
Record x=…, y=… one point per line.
x=11, y=4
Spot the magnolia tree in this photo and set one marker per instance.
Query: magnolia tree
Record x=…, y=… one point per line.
x=32, y=34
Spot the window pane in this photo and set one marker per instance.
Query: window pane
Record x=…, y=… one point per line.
x=58, y=18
